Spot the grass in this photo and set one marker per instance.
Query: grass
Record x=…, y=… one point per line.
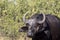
x=11, y=13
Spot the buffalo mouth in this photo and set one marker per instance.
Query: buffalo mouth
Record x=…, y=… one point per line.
x=30, y=36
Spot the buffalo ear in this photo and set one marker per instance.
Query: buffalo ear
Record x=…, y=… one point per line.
x=23, y=29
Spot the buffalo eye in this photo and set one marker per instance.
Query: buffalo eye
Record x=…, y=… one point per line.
x=39, y=25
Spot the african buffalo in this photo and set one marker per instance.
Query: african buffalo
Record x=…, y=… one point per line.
x=42, y=27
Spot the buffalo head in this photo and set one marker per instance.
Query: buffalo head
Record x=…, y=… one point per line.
x=33, y=24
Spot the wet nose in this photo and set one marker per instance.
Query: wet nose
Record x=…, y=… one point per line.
x=29, y=34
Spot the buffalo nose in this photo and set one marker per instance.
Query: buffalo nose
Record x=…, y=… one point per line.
x=29, y=35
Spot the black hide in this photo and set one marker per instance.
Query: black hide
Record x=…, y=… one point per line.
x=50, y=28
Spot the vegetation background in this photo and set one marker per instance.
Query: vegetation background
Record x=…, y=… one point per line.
x=11, y=13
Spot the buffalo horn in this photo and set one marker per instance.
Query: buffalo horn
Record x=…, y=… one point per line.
x=43, y=20
x=24, y=19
